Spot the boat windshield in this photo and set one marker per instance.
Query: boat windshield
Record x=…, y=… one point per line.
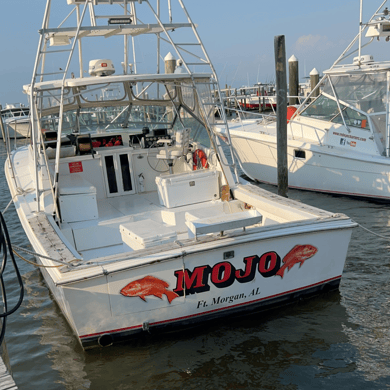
x=326, y=108
x=107, y=107
x=366, y=93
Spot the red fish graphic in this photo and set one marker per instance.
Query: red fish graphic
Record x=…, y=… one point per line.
x=298, y=254
x=149, y=285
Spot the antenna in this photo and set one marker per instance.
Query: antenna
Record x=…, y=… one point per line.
x=360, y=30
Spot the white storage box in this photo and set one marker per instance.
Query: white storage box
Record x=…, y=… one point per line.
x=182, y=189
x=221, y=222
x=77, y=199
x=146, y=233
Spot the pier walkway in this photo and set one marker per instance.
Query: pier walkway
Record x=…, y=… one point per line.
x=6, y=380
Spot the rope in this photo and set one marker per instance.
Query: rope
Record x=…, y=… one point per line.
x=35, y=264
x=43, y=257
x=375, y=234
x=19, y=191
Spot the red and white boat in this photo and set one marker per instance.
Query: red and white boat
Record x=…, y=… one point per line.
x=259, y=97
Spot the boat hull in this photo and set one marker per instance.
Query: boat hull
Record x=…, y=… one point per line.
x=18, y=130
x=201, y=286
x=319, y=170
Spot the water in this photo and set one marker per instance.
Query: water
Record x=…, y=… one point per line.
x=339, y=340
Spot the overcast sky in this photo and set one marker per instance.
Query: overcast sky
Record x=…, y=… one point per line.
x=238, y=35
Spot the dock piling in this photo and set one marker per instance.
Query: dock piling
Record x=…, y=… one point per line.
x=2, y=126
x=170, y=63
x=281, y=113
x=293, y=80
x=314, y=80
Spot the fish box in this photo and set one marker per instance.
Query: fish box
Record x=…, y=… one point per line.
x=145, y=234
x=182, y=189
x=77, y=198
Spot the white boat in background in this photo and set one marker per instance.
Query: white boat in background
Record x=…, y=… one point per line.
x=339, y=143
x=137, y=218
x=258, y=97
x=16, y=120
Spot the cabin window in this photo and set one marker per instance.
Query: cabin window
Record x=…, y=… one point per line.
x=299, y=153
x=51, y=122
x=352, y=118
x=103, y=92
x=198, y=131
x=51, y=98
x=322, y=108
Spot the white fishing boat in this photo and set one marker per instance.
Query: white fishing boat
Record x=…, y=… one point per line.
x=339, y=143
x=16, y=121
x=137, y=218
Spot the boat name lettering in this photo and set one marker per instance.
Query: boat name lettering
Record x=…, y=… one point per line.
x=350, y=136
x=224, y=274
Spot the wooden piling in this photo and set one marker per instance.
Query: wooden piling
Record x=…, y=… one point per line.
x=261, y=99
x=314, y=80
x=281, y=113
x=2, y=126
x=170, y=66
x=293, y=80
x=170, y=63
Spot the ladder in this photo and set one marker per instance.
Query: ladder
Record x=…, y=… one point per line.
x=40, y=76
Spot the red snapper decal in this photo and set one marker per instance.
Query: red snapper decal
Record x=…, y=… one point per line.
x=298, y=254
x=149, y=285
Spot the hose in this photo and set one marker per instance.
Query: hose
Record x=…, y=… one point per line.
x=5, y=244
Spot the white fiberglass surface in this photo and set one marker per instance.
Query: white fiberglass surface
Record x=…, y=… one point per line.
x=102, y=237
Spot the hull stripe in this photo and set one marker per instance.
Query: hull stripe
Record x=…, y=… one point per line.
x=210, y=311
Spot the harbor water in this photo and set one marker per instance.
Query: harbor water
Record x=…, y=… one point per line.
x=338, y=340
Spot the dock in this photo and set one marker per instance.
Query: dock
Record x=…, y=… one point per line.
x=6, y=380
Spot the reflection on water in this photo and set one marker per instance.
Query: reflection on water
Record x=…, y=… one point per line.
x=237, y=354
x=339, y=340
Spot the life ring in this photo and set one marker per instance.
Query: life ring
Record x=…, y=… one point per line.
x=200, y=160
x=290, y=112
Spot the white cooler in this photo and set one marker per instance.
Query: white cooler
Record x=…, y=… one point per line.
x=145, y=234
x=181, y=189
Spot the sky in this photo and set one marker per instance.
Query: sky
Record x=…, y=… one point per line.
x=238, y=36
